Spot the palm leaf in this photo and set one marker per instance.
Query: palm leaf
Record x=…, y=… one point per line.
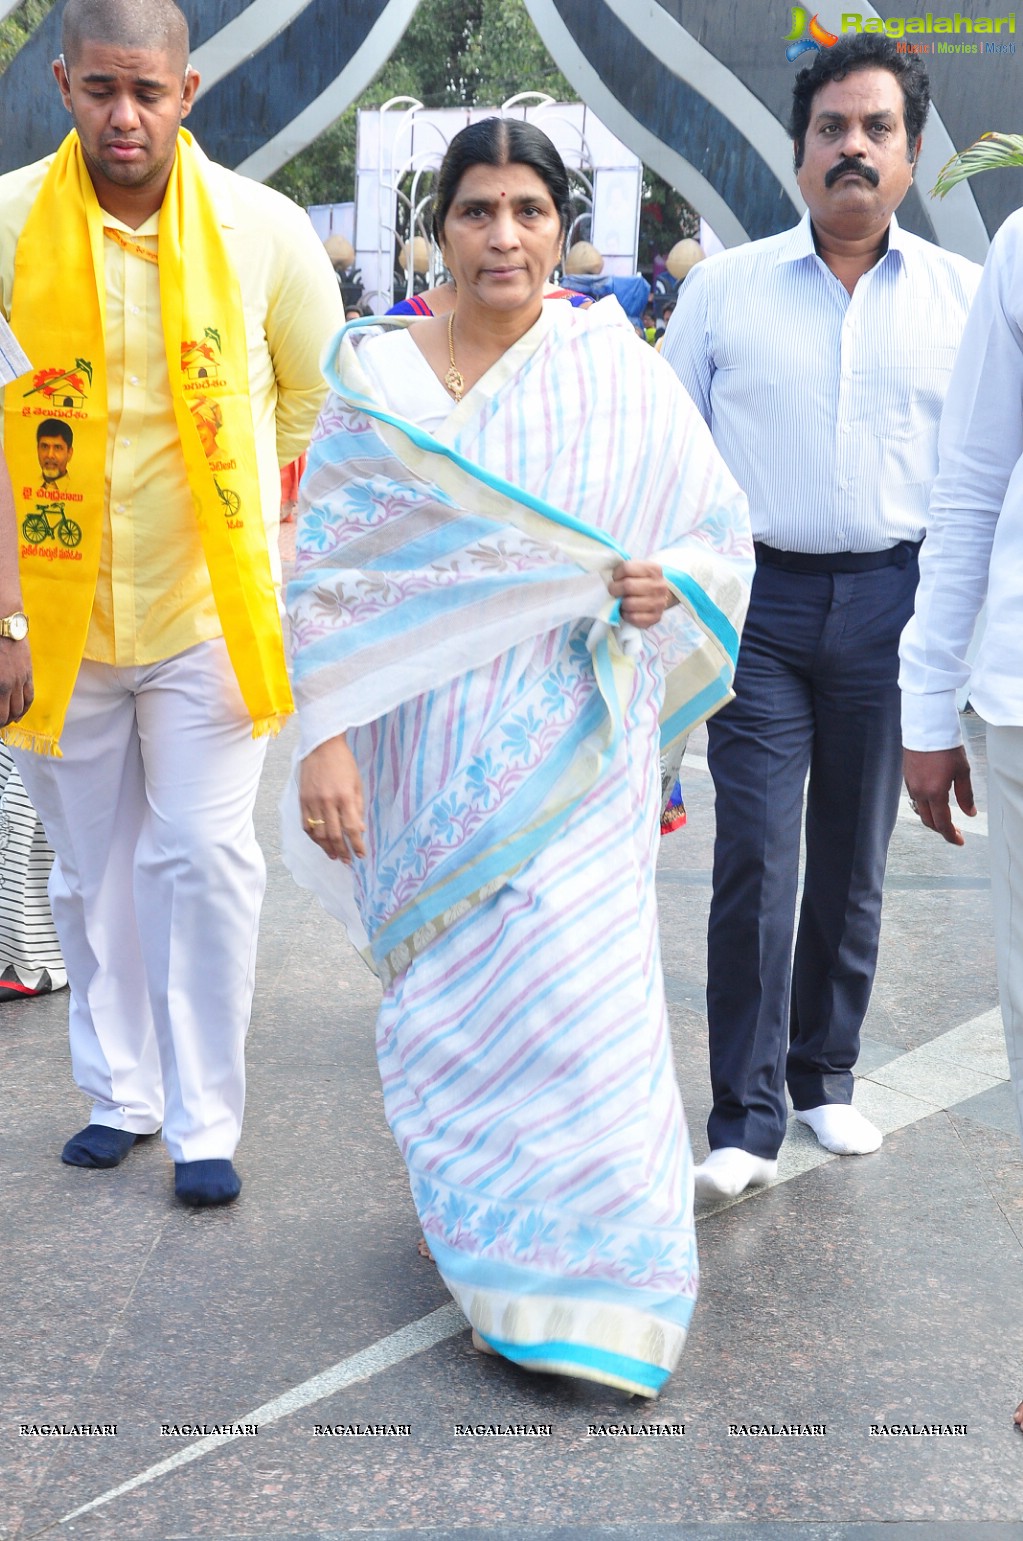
x=988, y=153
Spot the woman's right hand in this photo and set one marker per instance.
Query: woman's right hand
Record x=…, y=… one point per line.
x=643, y=591
x=330, y=795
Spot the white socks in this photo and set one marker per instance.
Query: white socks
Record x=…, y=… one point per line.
x=730, y=1171
x=839, y=1127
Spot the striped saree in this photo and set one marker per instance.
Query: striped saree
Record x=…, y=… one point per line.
x=449, y=611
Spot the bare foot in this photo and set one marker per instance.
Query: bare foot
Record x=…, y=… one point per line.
x=1017, y=1416
x=482, y=1346
x=423, y=1248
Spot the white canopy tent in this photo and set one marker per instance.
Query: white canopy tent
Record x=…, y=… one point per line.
x=400, y=148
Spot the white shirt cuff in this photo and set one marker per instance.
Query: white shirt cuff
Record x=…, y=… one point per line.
x=931, y=722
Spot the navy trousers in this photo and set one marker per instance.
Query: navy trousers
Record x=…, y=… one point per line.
x=816, y=692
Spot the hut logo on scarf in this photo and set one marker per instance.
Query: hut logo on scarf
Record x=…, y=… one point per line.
x=202, y=368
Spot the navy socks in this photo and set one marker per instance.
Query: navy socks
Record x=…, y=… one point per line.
x=206, y=1182
x=96, y=1145
x=199, y=1183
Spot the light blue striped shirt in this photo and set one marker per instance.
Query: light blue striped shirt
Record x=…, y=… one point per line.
x=824, y=405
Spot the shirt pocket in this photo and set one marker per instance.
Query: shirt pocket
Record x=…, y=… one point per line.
x=912, y=390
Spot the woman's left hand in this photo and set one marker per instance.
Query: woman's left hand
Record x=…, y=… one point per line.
x=643, y=591
x=330, y=796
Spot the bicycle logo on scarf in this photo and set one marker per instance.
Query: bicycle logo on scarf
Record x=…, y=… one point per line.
x=36, y=527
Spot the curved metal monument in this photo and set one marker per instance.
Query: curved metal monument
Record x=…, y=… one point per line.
x=699, y=88
x=275, y=74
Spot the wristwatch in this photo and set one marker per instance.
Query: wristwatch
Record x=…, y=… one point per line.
x=14, y=626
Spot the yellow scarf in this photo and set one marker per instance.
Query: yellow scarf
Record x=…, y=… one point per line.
x=58, y=315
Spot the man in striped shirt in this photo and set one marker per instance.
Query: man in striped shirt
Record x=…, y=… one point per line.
x=819, y=359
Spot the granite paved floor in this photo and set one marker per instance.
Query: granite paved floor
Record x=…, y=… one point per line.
x=855, y=1293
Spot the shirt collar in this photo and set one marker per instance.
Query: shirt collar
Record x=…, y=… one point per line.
x=798, y=242
x=150, y=226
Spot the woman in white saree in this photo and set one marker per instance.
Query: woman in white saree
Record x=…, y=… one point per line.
x=484, y=672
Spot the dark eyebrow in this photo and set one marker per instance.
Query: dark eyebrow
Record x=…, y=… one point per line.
x=487, y=203
x=98, y=79
x=883, y=113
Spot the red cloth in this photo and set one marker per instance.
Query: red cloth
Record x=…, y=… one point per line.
x=291, y=475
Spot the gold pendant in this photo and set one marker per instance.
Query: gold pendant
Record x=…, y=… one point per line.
x=454, y=382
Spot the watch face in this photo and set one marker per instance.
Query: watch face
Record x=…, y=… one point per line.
x=17, y=627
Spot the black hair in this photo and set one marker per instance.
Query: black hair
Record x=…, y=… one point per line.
x=501, y=142
x=861, y=51
x=55, y=428
x=157, y=24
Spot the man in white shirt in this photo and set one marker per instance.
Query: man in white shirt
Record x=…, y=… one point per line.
x=819, y=359
x=973, y=551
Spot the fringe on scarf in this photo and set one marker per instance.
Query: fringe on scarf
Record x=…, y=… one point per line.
x=269, y=727
x=34, y=743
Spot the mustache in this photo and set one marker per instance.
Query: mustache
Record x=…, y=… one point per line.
x=858, y=167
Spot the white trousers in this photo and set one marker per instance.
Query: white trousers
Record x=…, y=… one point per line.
x=156, y=892
x=1005, y=837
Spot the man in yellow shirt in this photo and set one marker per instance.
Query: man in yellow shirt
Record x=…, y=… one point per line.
x=175, y=320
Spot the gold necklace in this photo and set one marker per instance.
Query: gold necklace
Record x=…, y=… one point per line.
x=453, y=379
